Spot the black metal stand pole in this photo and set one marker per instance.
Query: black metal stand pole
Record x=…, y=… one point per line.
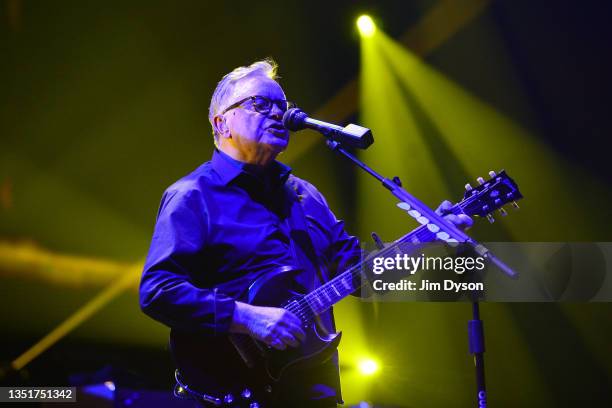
x=477, y=348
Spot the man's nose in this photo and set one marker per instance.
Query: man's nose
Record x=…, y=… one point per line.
x=276, y=112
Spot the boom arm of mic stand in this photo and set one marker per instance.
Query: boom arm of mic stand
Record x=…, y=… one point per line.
x=454, y=233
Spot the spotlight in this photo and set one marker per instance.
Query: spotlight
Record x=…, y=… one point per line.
x=368, y=366
x=366, y=25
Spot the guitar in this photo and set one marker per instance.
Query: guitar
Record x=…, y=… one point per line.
x=237, y=371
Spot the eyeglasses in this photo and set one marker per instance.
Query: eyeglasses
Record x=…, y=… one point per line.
x=262, y=104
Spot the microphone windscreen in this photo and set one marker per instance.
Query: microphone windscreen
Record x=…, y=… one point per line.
x=294, y=119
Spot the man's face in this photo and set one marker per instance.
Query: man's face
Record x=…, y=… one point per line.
x=252, y=133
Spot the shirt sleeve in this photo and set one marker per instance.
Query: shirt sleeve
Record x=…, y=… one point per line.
x=167, y=293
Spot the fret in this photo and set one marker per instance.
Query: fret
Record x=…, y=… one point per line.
x=335, y=290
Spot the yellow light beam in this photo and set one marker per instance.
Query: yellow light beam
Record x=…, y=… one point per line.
x=470, y=127
x=27, y=260
x=444, y=19
x=384, y=109
x=129, y=279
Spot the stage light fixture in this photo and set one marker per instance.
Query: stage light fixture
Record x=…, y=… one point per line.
x=366, y=25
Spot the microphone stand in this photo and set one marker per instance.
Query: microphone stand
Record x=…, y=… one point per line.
x=453, y=237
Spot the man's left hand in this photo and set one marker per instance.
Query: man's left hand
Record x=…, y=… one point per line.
x=461, y=221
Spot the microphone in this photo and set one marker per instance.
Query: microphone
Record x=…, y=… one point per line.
x=351, y=135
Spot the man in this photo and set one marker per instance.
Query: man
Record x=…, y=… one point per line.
x=232, y=221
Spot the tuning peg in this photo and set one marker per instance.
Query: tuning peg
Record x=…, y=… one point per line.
x=468, y=187
x=503, y=212
x=490, y=218
x=515, y=205
x=246, y=393
x=492, y=174
x=228, y=399
x=480, y=180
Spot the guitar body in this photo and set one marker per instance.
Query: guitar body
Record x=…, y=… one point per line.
x=229, y=364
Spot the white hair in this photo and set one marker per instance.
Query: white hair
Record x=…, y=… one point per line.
x=225, y=88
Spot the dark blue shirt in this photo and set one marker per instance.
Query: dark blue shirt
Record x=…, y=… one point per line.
x=224, y=225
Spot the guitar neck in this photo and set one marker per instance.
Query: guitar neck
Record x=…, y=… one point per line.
x=480, y=201
x=349, y=281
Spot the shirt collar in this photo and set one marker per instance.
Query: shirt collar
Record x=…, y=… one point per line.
x=229, y=168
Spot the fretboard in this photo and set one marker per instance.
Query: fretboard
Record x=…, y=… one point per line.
x=350, y=280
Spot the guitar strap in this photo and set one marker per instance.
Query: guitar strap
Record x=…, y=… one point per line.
x=306, y=254
x=302, y=247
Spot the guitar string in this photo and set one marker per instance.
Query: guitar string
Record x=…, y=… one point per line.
x=331, y=293
x=299, y=303
x=420, y=233
x=304, y=301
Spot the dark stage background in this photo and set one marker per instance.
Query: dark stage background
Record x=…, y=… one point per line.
x=104, y=104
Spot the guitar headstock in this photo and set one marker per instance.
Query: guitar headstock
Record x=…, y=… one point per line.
x=490, y=195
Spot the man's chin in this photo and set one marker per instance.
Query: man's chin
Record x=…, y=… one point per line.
x=278, y=142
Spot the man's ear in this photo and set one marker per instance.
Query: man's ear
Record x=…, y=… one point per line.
x=221, y=127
